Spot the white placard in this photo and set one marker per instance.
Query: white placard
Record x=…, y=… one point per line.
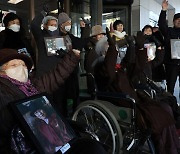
x=151, y=50
x=175, y=48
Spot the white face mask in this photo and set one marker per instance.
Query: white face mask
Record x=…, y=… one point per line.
x=19, y=73
x=14, y=27
x=67, y=28
x=52, y=28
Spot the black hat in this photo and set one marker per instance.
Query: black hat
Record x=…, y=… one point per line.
x=10, y=54
x=10, y=17
x=176, y=16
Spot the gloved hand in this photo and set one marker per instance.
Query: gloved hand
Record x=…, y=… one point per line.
x=140, y=40
x=130, y=39
x=45, y=10
x=156, y=41
x=61, y=53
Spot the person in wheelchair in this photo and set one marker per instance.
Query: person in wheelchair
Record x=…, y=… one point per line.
x=158, y=116
x=91, y=55
x=144, y=81
x=16, y=84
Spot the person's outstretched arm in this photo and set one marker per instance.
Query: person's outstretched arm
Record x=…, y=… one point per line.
x=111, y=56
x=162, y=19
x=56, y=77
x=36, y=25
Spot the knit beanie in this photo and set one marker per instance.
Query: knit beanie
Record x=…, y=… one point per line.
x=62, y=18
x=10, y=17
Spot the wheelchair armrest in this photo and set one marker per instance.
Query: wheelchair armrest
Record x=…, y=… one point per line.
x=114, y=95
x=117, y=96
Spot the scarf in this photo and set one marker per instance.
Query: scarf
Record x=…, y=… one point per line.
x=26, y=87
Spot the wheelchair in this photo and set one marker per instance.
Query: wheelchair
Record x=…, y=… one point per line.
x=110, y=123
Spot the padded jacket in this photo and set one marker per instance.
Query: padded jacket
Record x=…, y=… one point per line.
x=10, y=93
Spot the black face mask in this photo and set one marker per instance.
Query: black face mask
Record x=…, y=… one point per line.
x=147, y=36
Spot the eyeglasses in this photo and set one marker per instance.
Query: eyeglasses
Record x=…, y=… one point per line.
x=13, y=65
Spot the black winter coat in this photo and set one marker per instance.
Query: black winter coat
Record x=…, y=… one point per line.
x=90, y=56
x=49, y=82
x=15, y=40
x=159, y=56
x=44, y=63
x=168, y=33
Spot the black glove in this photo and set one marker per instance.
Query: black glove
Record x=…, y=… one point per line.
x=86, y=21
x=61, y=53
x=130, y=39
x=140, y=40
x=156, y=41
x=46, y=9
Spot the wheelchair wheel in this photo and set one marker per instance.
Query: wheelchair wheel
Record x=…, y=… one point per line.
x=101, y=124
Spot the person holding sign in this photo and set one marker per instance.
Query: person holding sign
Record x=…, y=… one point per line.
x=155, y=52
x=172, y=64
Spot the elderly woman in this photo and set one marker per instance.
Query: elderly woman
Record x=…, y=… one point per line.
x=15, y=84
x=158, y=116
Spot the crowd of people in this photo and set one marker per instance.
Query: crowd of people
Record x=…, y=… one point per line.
x=119, y=63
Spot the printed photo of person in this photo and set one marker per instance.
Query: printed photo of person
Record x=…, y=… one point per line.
x=47, y=126
x=175, y=49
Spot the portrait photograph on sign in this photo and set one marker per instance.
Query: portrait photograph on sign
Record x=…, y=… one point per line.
x=53, y=44
x=151, y=50
x=175, y=48
x=45, y=126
